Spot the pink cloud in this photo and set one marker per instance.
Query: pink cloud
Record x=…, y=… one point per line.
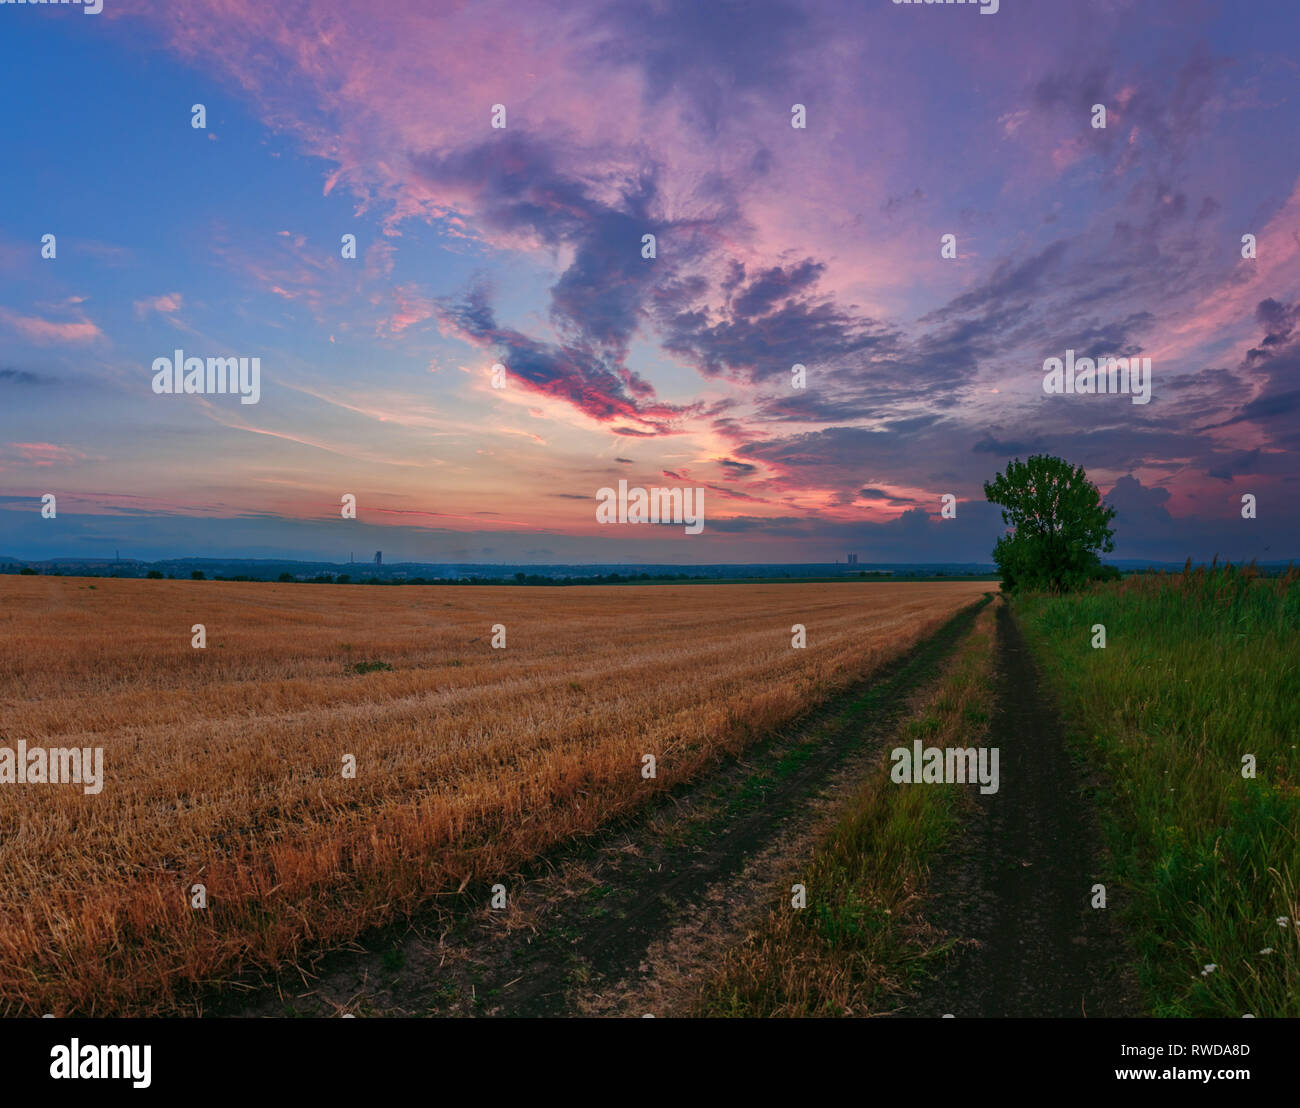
x=167, y=303
x=1228, y=309
x=42, y=454
x=411, y=308
x=39, y=330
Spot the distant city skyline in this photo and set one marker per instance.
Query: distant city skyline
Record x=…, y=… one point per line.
x=948, y=219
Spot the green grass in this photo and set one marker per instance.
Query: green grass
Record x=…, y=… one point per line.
x=1199, y=669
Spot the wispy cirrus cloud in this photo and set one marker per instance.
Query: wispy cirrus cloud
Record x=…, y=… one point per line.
x=43, y=331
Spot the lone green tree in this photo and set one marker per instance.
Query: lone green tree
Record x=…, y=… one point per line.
x=1059, y=526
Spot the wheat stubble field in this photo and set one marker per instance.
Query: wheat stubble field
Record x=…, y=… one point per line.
x=223, y=765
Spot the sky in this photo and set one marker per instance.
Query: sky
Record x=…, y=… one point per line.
x=523, y=246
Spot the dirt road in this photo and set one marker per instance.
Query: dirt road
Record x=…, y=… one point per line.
x=1015, y=889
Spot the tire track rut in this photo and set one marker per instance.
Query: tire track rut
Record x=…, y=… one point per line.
x=1015, y=887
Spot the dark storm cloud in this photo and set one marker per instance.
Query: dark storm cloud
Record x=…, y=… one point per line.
x=517, y=185
x=754, y=347
x=737, y=469
x=1274, y=367
x=889, y=498
x=1238, y=463
x=566, y=372
x=1009, y=280
x=1005, y=449
x=778, y=283
x=10, y=376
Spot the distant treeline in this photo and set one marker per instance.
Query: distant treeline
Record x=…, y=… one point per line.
x=136, y=570
x=511, y=579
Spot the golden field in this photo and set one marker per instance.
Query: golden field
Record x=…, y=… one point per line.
x=223, y=765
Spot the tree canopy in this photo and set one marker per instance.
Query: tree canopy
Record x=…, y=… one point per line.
x=1059, y=526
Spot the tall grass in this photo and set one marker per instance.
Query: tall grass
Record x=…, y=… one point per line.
x=1199, y=669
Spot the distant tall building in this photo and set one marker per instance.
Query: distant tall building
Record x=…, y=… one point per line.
x=853, y=559
x=379, y=557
